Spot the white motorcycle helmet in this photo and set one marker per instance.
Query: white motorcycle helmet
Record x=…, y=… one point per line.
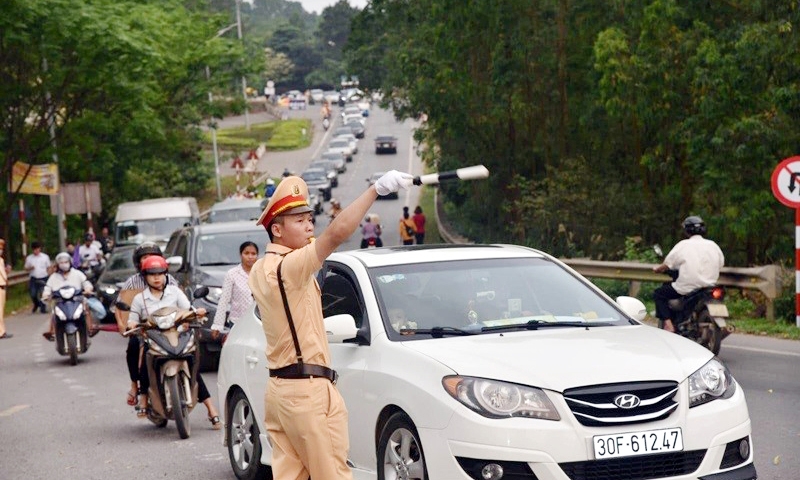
x=64, y=262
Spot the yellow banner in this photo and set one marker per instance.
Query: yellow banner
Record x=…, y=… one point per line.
x=40, y=180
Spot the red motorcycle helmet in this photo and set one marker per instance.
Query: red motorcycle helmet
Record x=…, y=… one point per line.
x=154, y=265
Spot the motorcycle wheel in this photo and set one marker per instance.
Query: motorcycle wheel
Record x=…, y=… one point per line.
x=244, y=443
x=712, y=337
x=72, y=348
x=180, y=410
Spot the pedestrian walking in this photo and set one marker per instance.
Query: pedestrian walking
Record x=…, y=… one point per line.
x=37, y=263
x=407, y=228
x=419, y=222
x=236, y=295
x=4, y=271
x=306, y=417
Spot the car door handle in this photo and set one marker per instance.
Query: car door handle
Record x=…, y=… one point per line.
x=252, y=359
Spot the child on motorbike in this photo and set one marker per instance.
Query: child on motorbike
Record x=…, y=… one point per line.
x=159, y=294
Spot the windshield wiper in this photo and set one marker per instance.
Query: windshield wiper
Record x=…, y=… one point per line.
x=215, y=264
x=437, y=332
x=537, y=324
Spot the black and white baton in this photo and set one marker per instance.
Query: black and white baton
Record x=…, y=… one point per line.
x=475, y=172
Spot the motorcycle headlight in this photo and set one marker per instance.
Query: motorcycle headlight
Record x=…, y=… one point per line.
x=713, y=381
x=167, y=321
x=66, y=292
x=110, y=291
x=496, y=399
x=213, y=294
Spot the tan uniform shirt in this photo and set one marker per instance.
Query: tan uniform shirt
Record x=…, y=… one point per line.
x=305, y=303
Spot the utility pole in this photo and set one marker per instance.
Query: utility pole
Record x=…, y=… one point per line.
x=244, y=81
x=62, y=217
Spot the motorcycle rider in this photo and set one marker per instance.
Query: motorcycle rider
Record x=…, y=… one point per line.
x=65, y=274
x=159, y=294
x=698, y=261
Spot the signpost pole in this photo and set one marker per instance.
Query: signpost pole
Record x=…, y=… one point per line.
x=797, y=266
x=786, y=188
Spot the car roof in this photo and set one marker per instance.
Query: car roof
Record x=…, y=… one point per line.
x=236, y=203
x=385, y=137
x=226, y=227
x=405, y=254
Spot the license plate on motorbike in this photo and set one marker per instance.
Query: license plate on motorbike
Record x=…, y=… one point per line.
x=717, y=309
x=630, y=444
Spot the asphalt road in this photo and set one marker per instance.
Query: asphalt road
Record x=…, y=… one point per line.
x=72, y=423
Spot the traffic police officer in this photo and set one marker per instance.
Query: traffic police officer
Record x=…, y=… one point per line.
x=306, y=418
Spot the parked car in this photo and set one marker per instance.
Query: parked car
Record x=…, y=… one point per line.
x=343, y=130
x=119, y=267
x=331, y=96
x=343, y=146
x=357, y=127
x=234, y=210
x=200, y=255
x=350, y=110
x=316, y=95
x=385, y=144
x=336, y=159
x=350, y=138
x=494, y=362
x=330, y=170
x=374, y=178
x=317, y=179
x=357, y=117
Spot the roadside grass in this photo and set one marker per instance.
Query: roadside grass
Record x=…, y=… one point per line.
x=427, y=204
x=17, y=299
x=276, y=135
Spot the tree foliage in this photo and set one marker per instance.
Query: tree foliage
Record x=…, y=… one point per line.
x=598, y=122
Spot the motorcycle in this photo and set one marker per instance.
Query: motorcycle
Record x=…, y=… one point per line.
x=172, y=362
x=700, y=315
x=69, y=315
x=326, y=123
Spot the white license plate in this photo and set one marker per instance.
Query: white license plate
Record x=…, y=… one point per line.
x=638, y=443
x=717, y=309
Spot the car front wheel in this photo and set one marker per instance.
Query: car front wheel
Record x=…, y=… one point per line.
x=400, y=455
x=244, y=444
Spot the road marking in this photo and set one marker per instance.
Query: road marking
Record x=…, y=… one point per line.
x=763, y=350
x=11, y=411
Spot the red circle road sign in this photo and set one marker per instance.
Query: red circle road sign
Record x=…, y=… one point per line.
x=786, y=182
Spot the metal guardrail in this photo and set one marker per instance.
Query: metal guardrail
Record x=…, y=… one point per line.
x=15, y=278
x=766, y=279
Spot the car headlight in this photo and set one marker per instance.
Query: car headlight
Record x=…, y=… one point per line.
x=167, y=321
x=214, y=293
x=713, y=381
x=496, y=399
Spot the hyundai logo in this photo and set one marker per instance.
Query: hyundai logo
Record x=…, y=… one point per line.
x=627, y=401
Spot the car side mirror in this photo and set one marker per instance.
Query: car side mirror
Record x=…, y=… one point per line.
x=633, y=307
x=201, y=292
x=340, y=328
x=175, y=263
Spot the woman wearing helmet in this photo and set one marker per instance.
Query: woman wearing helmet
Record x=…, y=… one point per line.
x=66, y=275
x=698, y=261
x=159, y=294
x=133, y=285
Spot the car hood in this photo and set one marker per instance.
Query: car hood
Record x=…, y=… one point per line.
x=116, y=277
x=212, y=275
x=563, y=358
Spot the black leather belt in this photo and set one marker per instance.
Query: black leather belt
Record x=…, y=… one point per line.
x=305, y=370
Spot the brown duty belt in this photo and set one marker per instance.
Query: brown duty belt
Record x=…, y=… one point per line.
x=304, y=370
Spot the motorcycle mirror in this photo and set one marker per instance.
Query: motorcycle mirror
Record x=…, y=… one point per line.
x=122, y=306
x=201, y=292
x=657, y=249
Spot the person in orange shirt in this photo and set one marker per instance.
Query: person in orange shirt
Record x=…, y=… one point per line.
x=306, y=417
x=4, y=270
x=407, y=228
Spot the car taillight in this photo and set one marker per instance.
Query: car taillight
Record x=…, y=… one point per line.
x=718, y=293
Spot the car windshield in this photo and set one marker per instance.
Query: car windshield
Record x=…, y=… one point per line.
x=314, y=176
x=122, y=260
x=339, y=143
x=234, y=214
x=155, y=230
x=486, y=296
x=223, y=248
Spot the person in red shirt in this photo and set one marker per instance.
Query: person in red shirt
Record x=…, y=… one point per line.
x=419, y=222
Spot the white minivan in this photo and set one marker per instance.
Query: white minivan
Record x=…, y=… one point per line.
x=153, y=220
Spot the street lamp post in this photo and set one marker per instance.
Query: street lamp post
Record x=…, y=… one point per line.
x=244, y=81
x=212, y=124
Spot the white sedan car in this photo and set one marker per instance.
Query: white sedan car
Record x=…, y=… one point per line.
x=498, y=362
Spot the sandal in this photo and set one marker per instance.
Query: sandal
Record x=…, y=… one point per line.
x=131, y=399
x=215, y=422
x=93, y=331
x=141, y=412
x=49, y=336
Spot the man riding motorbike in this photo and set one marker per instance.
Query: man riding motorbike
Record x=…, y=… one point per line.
x=65, y=274
x=698, y=262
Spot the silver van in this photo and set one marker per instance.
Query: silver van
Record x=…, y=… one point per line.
x=153, y=220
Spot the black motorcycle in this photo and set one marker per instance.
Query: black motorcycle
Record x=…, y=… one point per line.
x=700, y=315
x=69, y=315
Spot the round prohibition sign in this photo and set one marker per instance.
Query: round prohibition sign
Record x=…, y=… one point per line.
x=786, y=182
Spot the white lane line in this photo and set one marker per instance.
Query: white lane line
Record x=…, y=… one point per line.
x=11, y=411
x=763, y=350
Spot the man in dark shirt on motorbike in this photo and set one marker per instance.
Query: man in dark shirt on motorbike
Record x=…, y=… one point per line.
x=698, y=262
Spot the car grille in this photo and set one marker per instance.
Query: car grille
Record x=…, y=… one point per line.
x=635, y=468
x=641, y=402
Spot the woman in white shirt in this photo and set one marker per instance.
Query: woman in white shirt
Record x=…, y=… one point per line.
x=236, y=295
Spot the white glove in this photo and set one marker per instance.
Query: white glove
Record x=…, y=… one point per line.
x=393, y=181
